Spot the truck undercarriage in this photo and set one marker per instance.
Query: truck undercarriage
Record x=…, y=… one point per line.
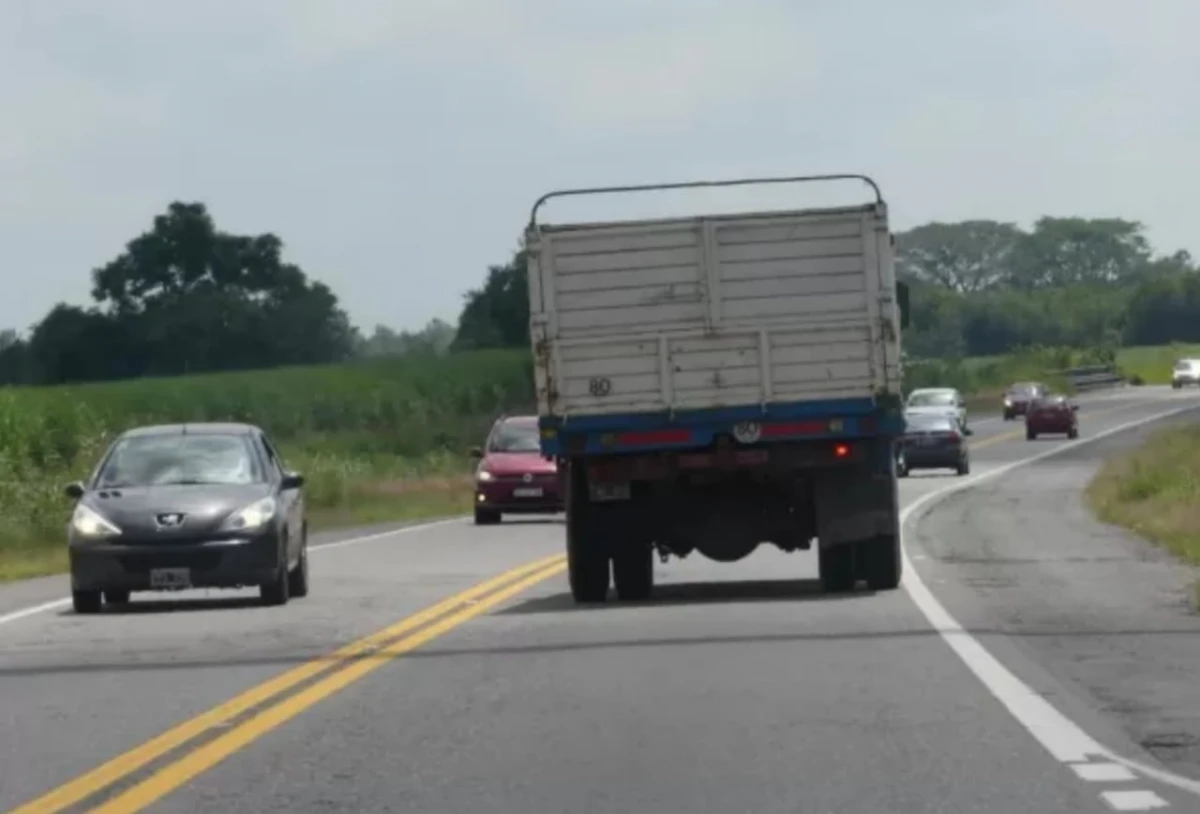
x=840, y=496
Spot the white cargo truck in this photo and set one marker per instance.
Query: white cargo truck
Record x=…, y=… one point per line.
x=713, y=383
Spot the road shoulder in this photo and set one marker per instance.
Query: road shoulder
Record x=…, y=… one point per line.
x=1086, y=612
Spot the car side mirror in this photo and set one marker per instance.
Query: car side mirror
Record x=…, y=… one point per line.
x=292, y=480
x=1074, y=408
x=967, y=431
x=476, y=452
x=902, y=302
x=74, y=490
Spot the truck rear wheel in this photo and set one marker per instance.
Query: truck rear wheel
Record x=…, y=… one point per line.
x=633, y=572
x=882, y=563
x=588, y=567
x=836, y=566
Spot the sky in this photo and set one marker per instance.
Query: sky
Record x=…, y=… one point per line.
x=396, y=146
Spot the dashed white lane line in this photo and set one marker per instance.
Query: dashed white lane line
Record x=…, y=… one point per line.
x=1103, y=772
x=1133, y=800
x=54, y=604
x=1065, y=740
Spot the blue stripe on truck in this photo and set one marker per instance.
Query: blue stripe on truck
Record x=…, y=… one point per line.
x=601, y=434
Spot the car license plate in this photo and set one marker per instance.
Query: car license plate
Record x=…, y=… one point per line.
x=170, y=578
x=535, y=491
x=927, y=441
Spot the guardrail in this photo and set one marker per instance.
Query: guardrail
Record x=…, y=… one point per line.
x=1093, y=377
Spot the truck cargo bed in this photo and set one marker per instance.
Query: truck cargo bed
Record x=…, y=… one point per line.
x=713, y=312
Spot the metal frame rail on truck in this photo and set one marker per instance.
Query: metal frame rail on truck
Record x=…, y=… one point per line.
x=712, y=383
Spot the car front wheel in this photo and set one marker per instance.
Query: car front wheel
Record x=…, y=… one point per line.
x=277, y=591
x=298, y=578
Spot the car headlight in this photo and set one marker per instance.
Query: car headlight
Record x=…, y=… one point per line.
x=1007, y=401
x=254, y=516
x=483, y=476
x=90, y=523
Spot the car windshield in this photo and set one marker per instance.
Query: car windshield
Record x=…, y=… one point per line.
x=928, y=423
x=1183, y=366
x=176, y=459
x=931, y=400
x=515, y=437
x=1022, y=389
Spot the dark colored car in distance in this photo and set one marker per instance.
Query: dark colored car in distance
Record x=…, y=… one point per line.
x=932, y=442
x=1019, y=396
x=513, y=477
x=1052, y=415
x=182, y=506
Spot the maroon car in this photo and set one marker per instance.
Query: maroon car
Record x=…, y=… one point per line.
x=1051, y=415
x=512, y=476
x=1019, y=396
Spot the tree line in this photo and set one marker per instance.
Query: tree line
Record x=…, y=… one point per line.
x=978, y=288
x=186, y=297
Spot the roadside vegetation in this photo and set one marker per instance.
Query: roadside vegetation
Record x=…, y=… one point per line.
x=1154, y=491
x=382, y=440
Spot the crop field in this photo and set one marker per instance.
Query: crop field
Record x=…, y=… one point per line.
x=377, y=441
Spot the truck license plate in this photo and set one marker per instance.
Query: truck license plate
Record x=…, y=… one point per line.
x=170, y=578
x=530, y=492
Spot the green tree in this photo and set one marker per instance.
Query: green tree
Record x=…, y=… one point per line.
x=968, y=256
x=189, y=297
x=496, y=315
x=1062, y=251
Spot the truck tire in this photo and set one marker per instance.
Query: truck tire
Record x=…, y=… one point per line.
x=836, y=565
x=588, y=568
x=882, y=562
x=633, y=572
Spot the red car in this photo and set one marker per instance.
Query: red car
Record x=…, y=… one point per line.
x=512, y=476
x=1051, y=414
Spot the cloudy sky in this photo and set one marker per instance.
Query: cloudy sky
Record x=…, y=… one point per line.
x=396, y=145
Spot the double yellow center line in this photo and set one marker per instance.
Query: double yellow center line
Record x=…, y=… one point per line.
x=344, y=666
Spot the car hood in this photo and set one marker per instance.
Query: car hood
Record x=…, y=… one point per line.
x=205, y=507
x=518, y=463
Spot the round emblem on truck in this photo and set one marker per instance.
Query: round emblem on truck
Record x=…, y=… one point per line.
x=527, y=477
x=747, y=432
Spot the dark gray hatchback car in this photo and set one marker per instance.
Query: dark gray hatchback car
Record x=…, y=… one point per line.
x=932, y=442
x=183, y=506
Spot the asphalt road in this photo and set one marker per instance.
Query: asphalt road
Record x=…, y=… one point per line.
x=740, y=689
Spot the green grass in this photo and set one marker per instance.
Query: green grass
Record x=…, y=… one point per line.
x=1152, y=365
x=376, y=441
x=1154, y=491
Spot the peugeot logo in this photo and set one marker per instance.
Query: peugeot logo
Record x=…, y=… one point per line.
x=527, y=477
x=169, y=521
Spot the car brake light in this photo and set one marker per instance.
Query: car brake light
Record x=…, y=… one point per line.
x=841, y=451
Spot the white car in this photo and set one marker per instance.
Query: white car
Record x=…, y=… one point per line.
x=938, y=401
x=1187, y=371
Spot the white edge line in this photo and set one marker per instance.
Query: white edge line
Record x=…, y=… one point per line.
x=1061, y=736
x=53, y=604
